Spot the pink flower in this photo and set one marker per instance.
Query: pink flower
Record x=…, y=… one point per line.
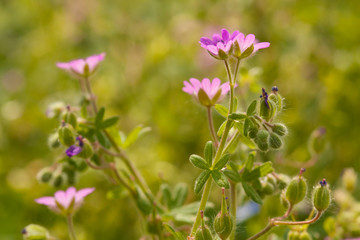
x=82, y=67
x=207, y=93
x=219, y=46
x=65, y=202
x=246, y=46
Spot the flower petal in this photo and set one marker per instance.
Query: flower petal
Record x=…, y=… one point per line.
x=82, y=193
x=188, y=88
x=73, y=150
x=212, y=49
x=196, y=84
x=261, y=45
x=78, y=66
x=225, y=88
x=234, y=35
x=63, y=65
x=48, y=201
x=250, y=38
x=94, y=60
x=225, y=35
x=204, y=41
x=206, y=86
x=214, y=87
x=216, y=38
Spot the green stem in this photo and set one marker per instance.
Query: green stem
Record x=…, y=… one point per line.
x=92, y=96
x=70, y=225
x=211, y=126
x=232, y=140
x=218, y=154
x=233, y=204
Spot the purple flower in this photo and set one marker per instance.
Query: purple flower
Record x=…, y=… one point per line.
x=82, y=67
x=219, y=46
x=75, y=149
x=245, y=46
x=65, y=202
x=206, y=92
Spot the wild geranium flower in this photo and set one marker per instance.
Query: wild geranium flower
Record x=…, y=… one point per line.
x=75, y=149
x=65, y=202
x=206, y=92
x=220, y=45
x=245, y=46
x=82, y=67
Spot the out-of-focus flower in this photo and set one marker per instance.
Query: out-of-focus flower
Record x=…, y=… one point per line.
x=245, y=46
x=220, y=45
x=82, y=67
x=65, y=202
x=206, y=92
x=73, y=150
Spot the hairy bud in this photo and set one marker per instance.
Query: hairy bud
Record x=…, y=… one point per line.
x=317, y=140
x=87, y=149
x=35, y=232
x=296, y=190
x=66, y=134
x=53, y=140
x=293, y=235
x=321, y=196
x=203, y=233
x=267, y=107
x=70, y=117
x=280, y=129
x=305, y=236
x=262, y=140
x=275, y=141
x=44, y=175
x=223, y=222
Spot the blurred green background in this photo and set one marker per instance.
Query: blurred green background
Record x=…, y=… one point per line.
x=152, y=47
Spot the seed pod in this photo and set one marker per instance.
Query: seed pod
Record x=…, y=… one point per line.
x=296, y=190
x=253, y=132
x=203, y=233
x=305, y=236
x=87, y=149
x=321, y=196
x=280, y=129
x=275, y=141
x=268, y=188
x=223, y=223
x=267, y=109
x=283, y=180
x=58, y=180
x=66, y=134
x=278, y=100
x=262, y=140
x=35, y=232
x=293, y=235
x=53, y=140
x=44, y=175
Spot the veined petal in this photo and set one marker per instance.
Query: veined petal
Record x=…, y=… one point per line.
x=225, y=88
x=212, y=49
x=63, y=65
x=225, y=35
x=196, y=84
x=60, y=197
x=234, y=35
x=261, y=45
x=204, y=41
x=216, y=38
x=250, y=38
x=214, y=87
x=240, y=38
x=206, y=85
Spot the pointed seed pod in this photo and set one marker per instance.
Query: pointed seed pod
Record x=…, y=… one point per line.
x=275, y=141
x=283, y=180
x=66, y=134
x=280, y=129
x=267, y=106
x=70, y=117
x=87, y=149
x=321, y=196
x=223, y=222
x=278, y=100
x=203, y=233
x=253, y=132
x=296, y=189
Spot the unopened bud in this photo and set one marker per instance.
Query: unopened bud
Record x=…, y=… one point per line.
x=283, y=180
x=35, y=232
x=262, y=140
x=277, y=99
x=322, y=196
x=66, y=134
x=223, y=223
x=349, y=179
x=70, y=117
x=267, y=106
x=203, y=233
x=275, y=141
x=87, y=149
x=58, y=180
x=53, y=140
x=293, y=235
x=317, y=140
x=44, y=175
x=305, y=236
x=253, y=132
x=296, y=190
x=55, y=110
x=280, y=129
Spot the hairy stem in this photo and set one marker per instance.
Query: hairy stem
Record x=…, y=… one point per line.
x=70, y=225
x=233, y=205
x=211, y=126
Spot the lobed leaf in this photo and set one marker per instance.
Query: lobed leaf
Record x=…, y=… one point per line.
x=259, y=171
x=250, y=191
x=208, y=152
x=223, y=111
x=222, y=162
x=199, y=162
x=201, y=180
x=220, y=179
x=251, y=110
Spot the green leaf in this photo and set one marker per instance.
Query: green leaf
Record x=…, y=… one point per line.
x=250, y=191
x=250, y=161
x=235, y=177
x=102, y=139
x=223, y=111
x=250, y=144
x=220, y=179
x=199, y=162
x=99, y=116
x=247, y=125
x=135, y=134
x=201, y=180
x=259, y=171
x=180, y=194
x=222, y=162
x=176, y=235
x=208, y=152
x=142, y=202
x=108, y=122
x=221, y=129
x=237, y=116
x=166, y=194
x=252, y=108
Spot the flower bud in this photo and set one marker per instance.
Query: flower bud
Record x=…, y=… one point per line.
x=262, y=139
x=58, y=180
x=321, y=196
x=275, y=141
x=267, y=107
x=280, y=129
x=55, y=110
x=296, y=189
x=223, y=223
x=293, y=235
x=66, y=134
x=35, y=232
x=283, y=180
x=305, y=236
x=277, y=99
x=70, y=117
x=317, y=141
x=44, y=175
x=87, y=149
x=53, y=140
x=203, y=233
x=349, y=179
x=268, y=188
x=253, y=132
